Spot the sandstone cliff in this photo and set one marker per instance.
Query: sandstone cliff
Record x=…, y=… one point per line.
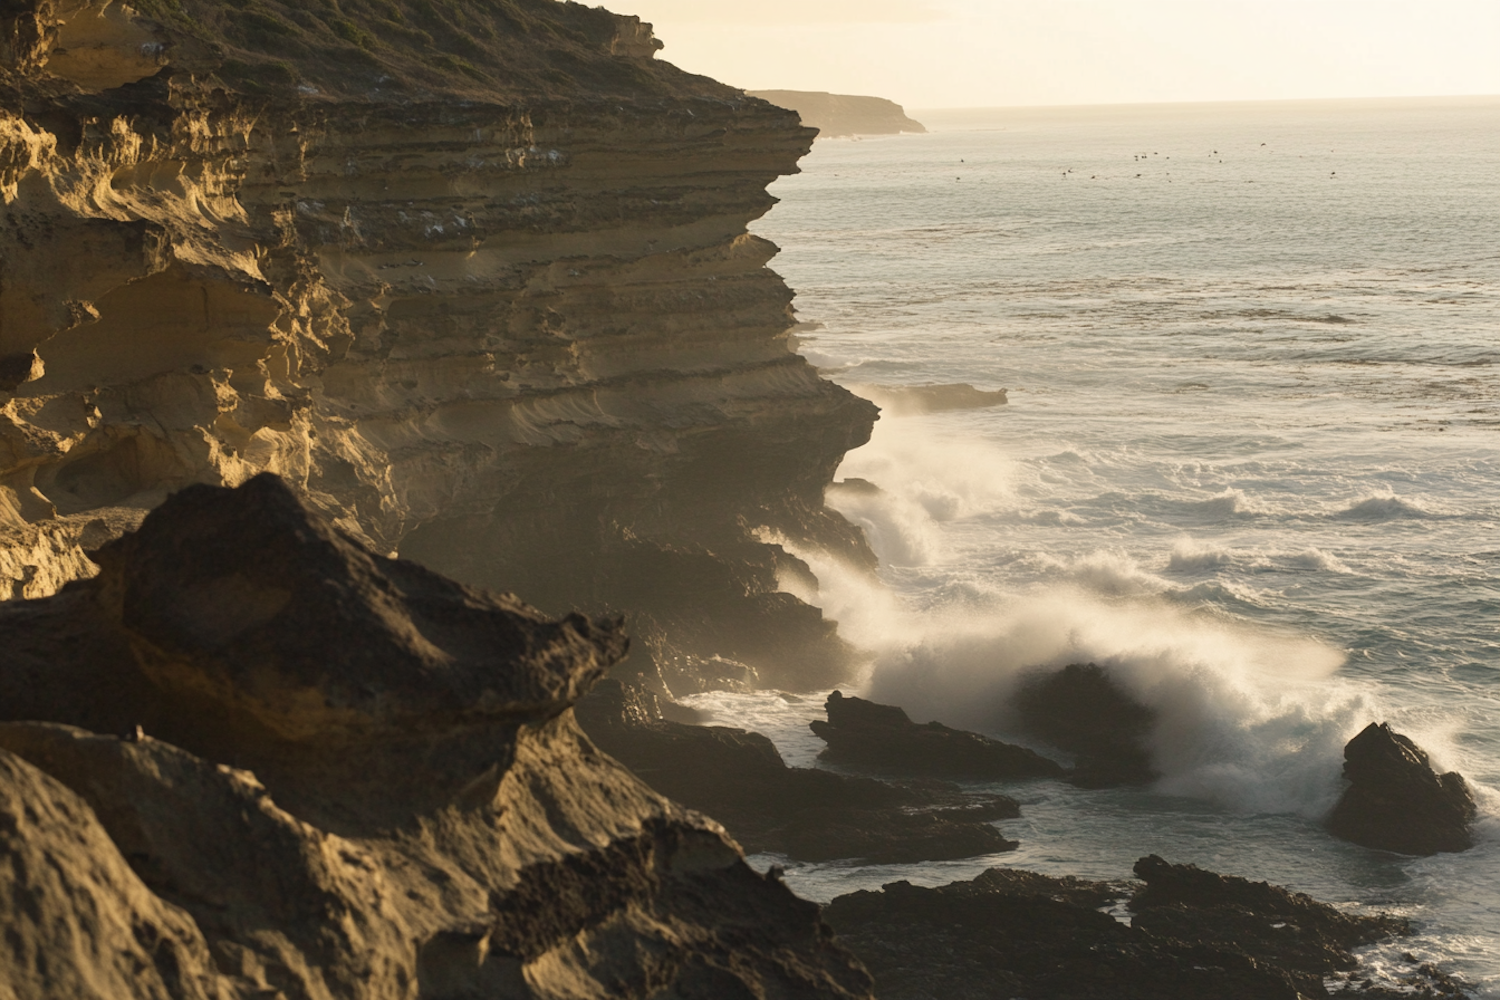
x=274, y=764
x=843, y=114
x=474, y=278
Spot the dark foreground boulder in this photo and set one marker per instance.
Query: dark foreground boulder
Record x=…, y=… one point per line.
x=1195, y=934
x=1289, y=930
x=1396, y=801
x=1081, y=710
x=882, y=738
x=739, y=778
x=254, y=759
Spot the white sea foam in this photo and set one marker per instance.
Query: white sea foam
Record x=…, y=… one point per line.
x=900, y=530
x=922, y=483
x=1249, y=719
x=1317, y=559
x=1387, y=507
x=1189, y=556
x=1229, y=503
x=947, y=475
x=1110, y=572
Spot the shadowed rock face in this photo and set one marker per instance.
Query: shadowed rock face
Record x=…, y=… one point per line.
x=883, y=739
x=1396, y=801
x=1081, y=710
x=485, y=301
x=806, y=813
x=357, y=779
x=1011, y=933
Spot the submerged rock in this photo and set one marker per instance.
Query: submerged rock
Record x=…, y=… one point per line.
x=275, y=763
x=739, y=778
x=1396, y=801
x=1010, y=933
x=882, y=738
x=1080, y=709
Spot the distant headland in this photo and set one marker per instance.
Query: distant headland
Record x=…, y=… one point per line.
x=843, y=114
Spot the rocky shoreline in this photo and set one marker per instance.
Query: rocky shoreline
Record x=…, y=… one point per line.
x=326, y=330
x=252, y=758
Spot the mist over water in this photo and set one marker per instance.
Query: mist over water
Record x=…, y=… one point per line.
x=1250, y=464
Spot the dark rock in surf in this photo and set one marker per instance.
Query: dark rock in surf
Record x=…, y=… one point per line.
x=1396, y=801
x=1287, y=929
x=1012, y=933
x=882, y=738
x=1080, y=709
x=739, y=778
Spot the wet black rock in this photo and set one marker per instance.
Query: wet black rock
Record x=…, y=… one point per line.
x=739, y=778
x=1012, y=933
x=881, y=738
x=1081, y=710
x=1288, y=929
x=1396, y=801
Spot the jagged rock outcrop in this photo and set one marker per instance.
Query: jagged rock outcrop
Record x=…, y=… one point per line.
x=883, y=739
x=1395, y=801
x=474, y=278
x=1290, y=930
x=1011, y=933
x=253, y=758
x=843, y=114
x=1081, y=709
x=808, y=814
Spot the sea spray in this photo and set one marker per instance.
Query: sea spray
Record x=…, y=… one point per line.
x=1208, y=486
x=1245, y=718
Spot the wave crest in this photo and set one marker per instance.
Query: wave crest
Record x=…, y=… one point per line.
x=1388, y=507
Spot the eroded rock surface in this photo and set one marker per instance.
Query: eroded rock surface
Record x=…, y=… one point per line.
x=1195, y=934
x=883, y=739
x=1395, y=801
x=809, y=814
x=261, y=760
x=475, y=279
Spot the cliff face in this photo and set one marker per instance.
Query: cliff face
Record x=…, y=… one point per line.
x=843, y=114
x=276, y=764
x=496, y=310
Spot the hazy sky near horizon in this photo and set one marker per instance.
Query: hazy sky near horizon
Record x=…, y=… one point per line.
x=979, y=53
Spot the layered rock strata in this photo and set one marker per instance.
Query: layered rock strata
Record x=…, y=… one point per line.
x=1192, y=934
x=274, y=763
x=808, y=814
x=882, y=738
x=1396, y=801
x=475, y=279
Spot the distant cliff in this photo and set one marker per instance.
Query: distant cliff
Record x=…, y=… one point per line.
x=474, y=278
x=843, y=114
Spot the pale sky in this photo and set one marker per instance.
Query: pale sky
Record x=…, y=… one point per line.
x=990, y=53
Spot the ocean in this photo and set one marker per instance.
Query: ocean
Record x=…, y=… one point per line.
x=1250, y=463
